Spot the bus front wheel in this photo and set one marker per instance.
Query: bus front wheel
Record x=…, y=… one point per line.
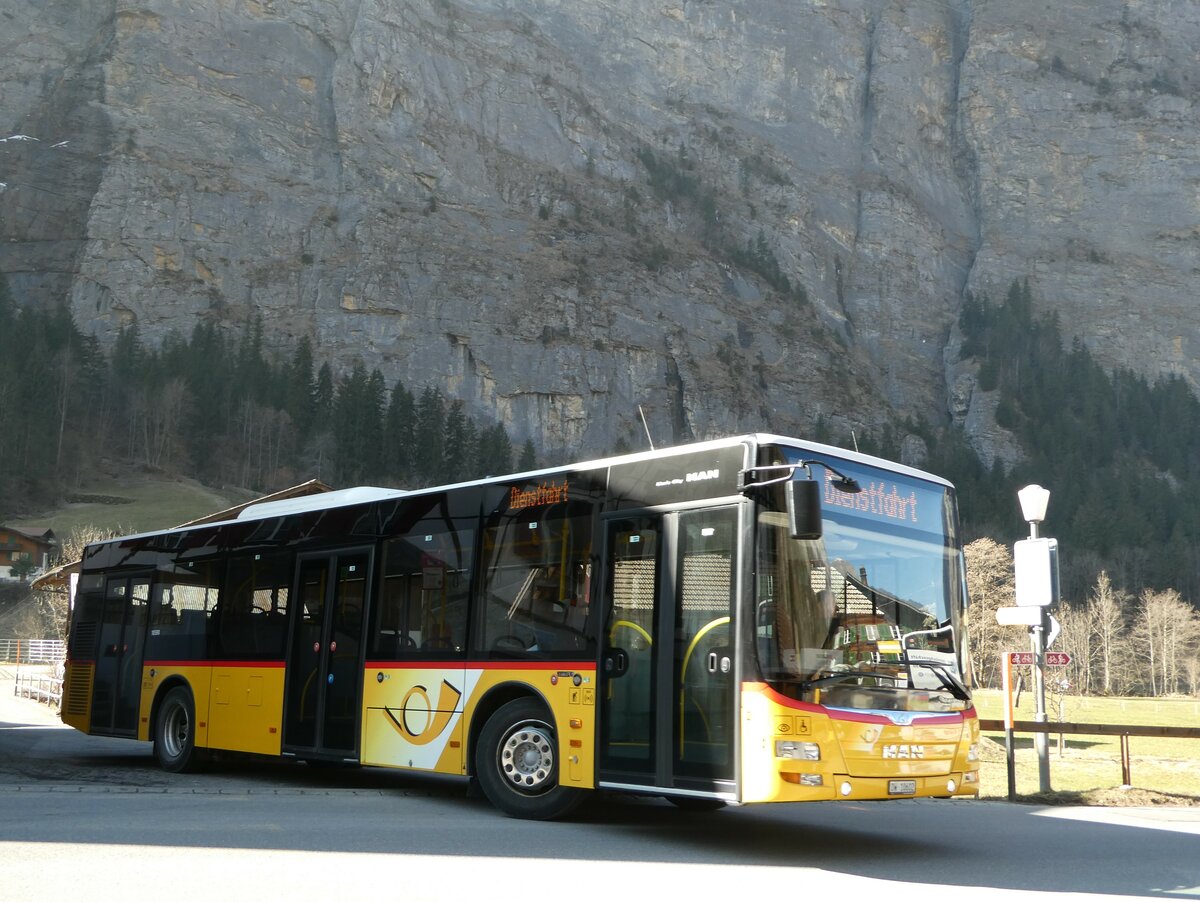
x=175, y=732
x=516, y=763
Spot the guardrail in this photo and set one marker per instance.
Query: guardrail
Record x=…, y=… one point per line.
x=32, y=651
x=39, y=687
x=1124, y=731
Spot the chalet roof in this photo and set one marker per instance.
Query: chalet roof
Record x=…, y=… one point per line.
x=42, y=534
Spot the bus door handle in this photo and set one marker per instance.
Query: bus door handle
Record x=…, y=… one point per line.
x=719, y=663
x=616, y=662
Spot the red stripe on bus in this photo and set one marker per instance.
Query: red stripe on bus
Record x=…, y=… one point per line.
x=212, y=664
x=400, y=665
x=480, y=665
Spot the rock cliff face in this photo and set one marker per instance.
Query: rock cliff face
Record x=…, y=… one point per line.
x=738, y=215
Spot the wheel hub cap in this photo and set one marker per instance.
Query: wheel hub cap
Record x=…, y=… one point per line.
x=527, y=757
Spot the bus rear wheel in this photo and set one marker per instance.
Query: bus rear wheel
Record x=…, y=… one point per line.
x=516, y=763
x=175, y=732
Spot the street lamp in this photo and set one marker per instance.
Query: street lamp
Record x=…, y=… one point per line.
x=1034, y=500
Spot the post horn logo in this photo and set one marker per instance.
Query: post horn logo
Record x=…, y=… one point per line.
x=418, y=722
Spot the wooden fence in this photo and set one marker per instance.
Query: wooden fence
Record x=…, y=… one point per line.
x=1124, y=731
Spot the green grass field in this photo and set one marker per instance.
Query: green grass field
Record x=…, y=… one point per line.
x=1162, y=770
x=134, y=505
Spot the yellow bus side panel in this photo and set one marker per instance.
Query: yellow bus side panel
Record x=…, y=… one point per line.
x=421, y=717
x=198, y=678
x=246, y=709
x=412, y=717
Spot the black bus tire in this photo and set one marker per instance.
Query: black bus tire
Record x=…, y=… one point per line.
x=175, y=732
x=516, y=763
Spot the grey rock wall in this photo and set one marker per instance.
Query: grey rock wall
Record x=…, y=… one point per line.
x=459, y=192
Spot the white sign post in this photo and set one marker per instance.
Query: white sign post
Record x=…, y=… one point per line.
x=1035, y=562
x=1018, y=616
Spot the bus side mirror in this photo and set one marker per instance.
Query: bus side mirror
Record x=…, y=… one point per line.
x=804, y=508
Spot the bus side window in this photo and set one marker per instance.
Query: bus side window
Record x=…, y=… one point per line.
x=537, y=580
x=182, y=604
x=252, y=620
x=424, y=591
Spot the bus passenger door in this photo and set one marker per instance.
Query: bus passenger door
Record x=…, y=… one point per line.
x=628, y=654
x=323, y=685
x=667, y=668
x=116, y=689
x=703, y=678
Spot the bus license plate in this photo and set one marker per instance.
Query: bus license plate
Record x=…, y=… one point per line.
x=902, y=787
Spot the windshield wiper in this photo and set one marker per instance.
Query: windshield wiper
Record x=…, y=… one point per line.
x=946, y=677
x=844, y=676
x=949, y=679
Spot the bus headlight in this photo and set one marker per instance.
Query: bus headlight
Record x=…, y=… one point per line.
x=797, y=751
x=973, y=752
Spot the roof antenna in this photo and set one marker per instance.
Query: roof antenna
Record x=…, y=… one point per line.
x=854, y=438
x=646, y=427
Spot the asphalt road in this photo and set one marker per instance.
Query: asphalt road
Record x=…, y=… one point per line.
x=90, y=816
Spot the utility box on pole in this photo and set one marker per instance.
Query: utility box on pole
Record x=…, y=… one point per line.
x=1035, y=566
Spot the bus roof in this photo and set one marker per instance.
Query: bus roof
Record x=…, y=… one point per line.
x=340, y=498
x=366, y=494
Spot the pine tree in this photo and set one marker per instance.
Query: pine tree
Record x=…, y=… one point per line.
x=495, y=451
x=398, y=435
x=470, y=444
x=429, y=436
x=300, y=388
x=454, y=459
x=350, y=415
x=373, y=413
x=528, y=459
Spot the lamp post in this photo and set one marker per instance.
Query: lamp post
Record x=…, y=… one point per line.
x=1034, y=500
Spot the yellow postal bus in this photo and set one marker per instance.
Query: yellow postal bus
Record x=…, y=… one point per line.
x=756, y=619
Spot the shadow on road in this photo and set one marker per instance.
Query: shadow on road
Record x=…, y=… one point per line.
x=112, y=792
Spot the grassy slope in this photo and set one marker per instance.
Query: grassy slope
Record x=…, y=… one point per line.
x=1088, y=768
x=149, y=504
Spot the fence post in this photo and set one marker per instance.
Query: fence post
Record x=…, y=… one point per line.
x=1009, y=751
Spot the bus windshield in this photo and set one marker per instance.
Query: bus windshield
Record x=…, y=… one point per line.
x=866, y=616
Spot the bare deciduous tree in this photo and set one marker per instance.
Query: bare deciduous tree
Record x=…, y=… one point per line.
x=1165, y=633
x=1107, y=609
x=1075, y=640
x=990, y=586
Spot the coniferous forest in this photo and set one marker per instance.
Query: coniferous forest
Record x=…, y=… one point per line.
x=217, y=407
x=1120, y=454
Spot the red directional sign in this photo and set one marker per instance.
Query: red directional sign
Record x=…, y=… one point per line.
x=1053, y=658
